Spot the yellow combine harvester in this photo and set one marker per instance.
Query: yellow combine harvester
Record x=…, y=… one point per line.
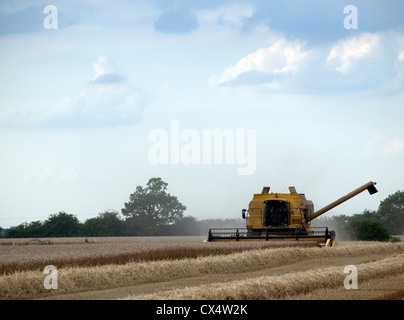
x=283, y=217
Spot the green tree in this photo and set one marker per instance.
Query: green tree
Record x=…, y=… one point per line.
x=16, y=232
x=370, y=214
x=34, y=229
x=151, y=209
x=391, y=212
x=106, y=224
x=62, y=224
x=368, y=230
x=187, y=226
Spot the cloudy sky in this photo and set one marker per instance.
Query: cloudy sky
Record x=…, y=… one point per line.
x=96, y=97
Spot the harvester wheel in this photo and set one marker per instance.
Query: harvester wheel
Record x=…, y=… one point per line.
x=333, y=236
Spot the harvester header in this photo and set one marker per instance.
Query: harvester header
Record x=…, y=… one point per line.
x=283, y=216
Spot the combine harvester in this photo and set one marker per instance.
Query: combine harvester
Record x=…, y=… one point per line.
x=283, y=217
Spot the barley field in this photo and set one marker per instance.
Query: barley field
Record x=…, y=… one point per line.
x=153, y=268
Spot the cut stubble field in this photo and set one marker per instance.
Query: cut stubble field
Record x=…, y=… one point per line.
x=188, y=268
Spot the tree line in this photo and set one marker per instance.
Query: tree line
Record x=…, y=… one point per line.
x=151, y=211
x=111, y=224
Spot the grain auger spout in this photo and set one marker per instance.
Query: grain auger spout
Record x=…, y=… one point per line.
x=283, y=217
x=370, y=186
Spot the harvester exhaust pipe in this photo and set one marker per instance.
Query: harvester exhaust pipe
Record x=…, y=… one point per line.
x=370, y=186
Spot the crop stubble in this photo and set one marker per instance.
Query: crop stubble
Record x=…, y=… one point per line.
x=126, y=262
x=25, y=254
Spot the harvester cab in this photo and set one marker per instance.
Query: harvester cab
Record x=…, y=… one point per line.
x=283, y=217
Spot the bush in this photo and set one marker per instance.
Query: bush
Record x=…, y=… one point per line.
x=368, y=230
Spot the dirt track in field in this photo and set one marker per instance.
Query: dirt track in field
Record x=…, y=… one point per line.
x=383, y=285
x=384, y=288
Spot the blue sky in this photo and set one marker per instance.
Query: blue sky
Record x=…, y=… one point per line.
x=77, y=103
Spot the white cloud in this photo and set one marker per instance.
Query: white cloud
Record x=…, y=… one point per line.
x=101, y=105
x=384, y=146
x=393, y=146
x=347, y=52
x=103, y=66
x=283, y=57
x=232, y=14
x=400, y=41
x=53, y=175
x=366, y=62
x=107, y=100
x=373, y=144
x=19, y=113
x=400, y=56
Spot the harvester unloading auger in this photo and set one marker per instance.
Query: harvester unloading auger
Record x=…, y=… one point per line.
x=283, y=216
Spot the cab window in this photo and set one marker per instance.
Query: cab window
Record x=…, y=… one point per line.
x=276, y=213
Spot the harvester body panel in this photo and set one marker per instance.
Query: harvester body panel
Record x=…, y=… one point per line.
x=278, y=210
